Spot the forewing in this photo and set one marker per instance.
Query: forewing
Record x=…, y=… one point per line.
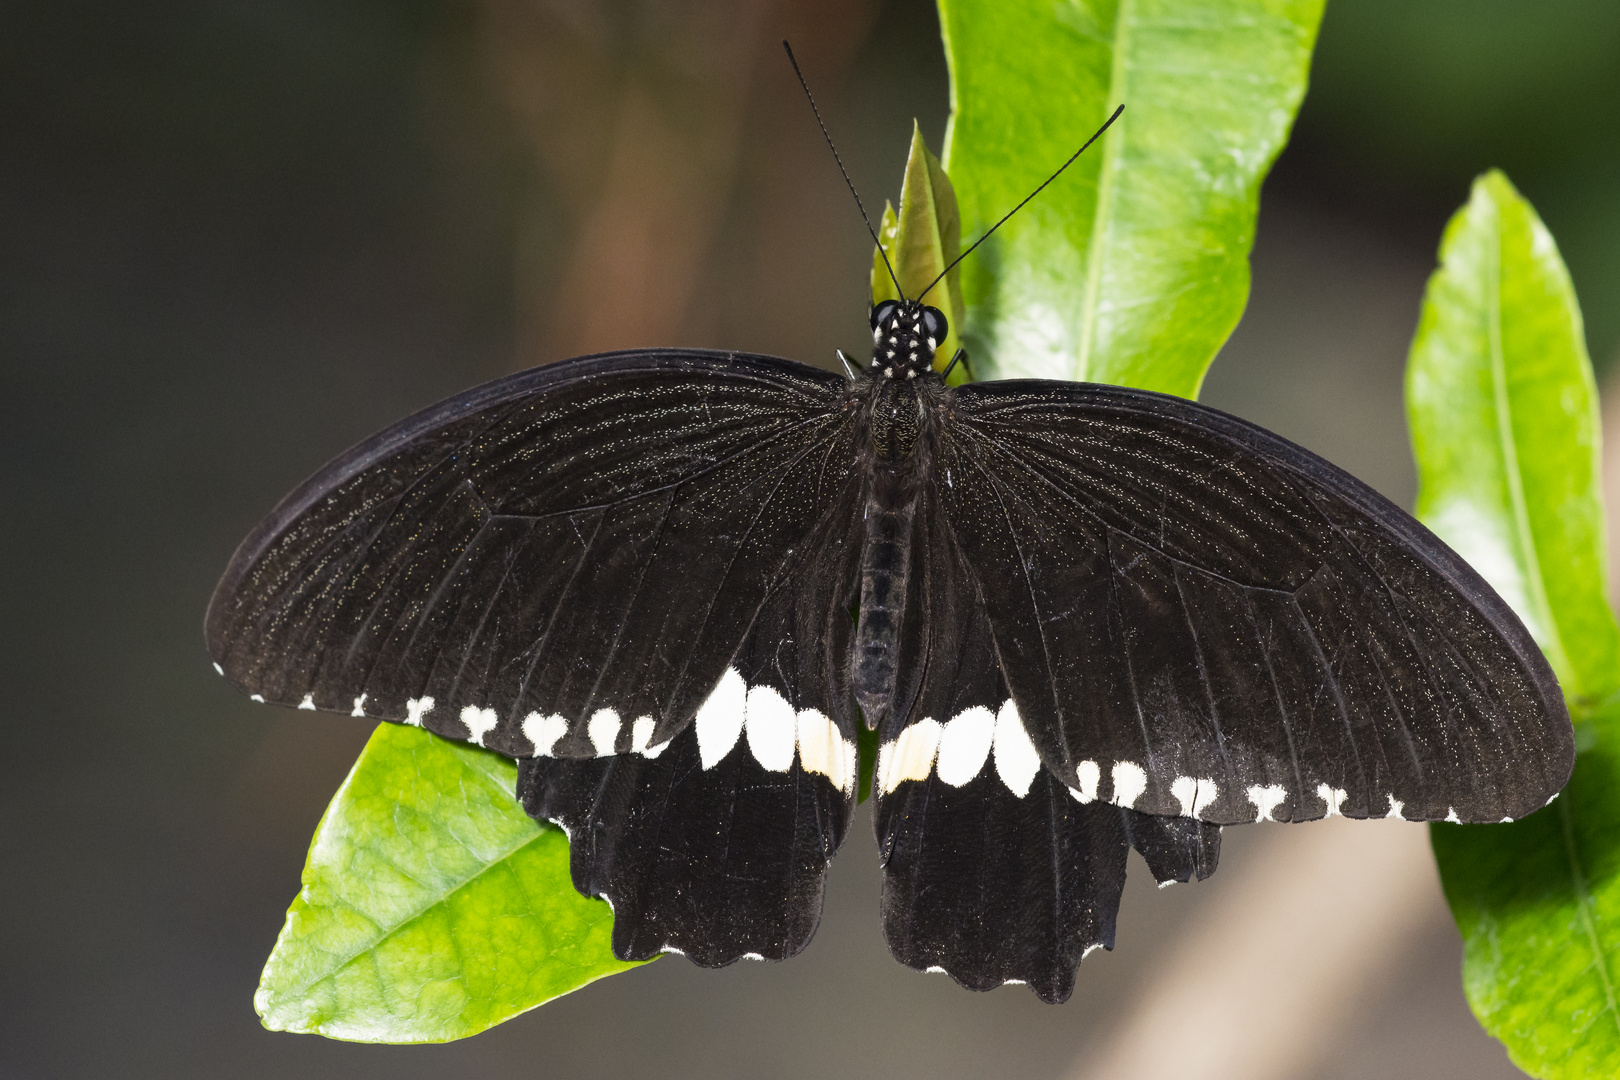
x=1203, y=619
x=717, y=845
x=994, y=870
x=546, y=562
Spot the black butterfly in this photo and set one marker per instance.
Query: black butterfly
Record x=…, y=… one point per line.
x=1089, y=618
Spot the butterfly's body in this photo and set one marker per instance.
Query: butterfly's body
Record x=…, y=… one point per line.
x=903, y=404
x=1090, y=618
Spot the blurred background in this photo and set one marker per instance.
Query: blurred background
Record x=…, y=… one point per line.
x=237, y=237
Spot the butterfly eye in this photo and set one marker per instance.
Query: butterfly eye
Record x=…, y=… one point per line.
x=934, y=323
x=882, y=313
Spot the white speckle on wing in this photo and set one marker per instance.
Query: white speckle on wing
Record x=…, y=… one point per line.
x=1167, y=884
x=256, y=697
x=752, y=956
x=1091, y=949
x=544, y=731
x=308, y=703
x=1451, y=815
x=416, y=708
x=480, y=722
x=1334, y=797
x=771, y=724
x=910, y=756
x=1016, y=759
x=1129, y=782
x=603, y=729
x=1266, y=799
x=359, y=706
x=935, y=969
x=1394, y=807
x=218, y=669
x=719, y=720
x=964, y=745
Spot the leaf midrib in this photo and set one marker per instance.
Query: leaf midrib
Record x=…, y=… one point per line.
x=1584, y=905
x=1105, y=196
x=1535, y=580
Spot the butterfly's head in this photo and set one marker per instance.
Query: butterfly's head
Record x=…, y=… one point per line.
x=905, y=334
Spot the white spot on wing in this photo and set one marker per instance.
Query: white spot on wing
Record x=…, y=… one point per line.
x=641, y=733
x=1394, y=807
x=1016, y=759
x=308, y=702
x=1194, y=795
x=544, y=731
x=910, y=756
x=936, y=970
x=256, y=697
x=822, y=749
x=1167, y=884
x=359, y=706
x=1089, y=775
x=416, y=708
x=1129, y=783
x=1451, y=815
x=1334, y=797
x=1185, y=790
x=771, y=726
x=752, y=956
x=1266, y=799
x=604, y=731
x=480, y=722
x=719, y=720
x=965, y=744
x=218, y=669
x=1091, y=949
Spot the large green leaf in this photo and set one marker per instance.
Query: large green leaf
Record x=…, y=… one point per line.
x=433, y=907
x=1133, y=267
x=1505, y=428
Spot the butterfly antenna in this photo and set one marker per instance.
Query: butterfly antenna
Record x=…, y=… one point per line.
x=824, y=134
x=1106, y=124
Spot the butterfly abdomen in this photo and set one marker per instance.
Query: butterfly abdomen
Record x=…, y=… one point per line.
x=891, y=504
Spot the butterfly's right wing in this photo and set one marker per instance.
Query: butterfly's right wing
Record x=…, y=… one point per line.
x=561, y=562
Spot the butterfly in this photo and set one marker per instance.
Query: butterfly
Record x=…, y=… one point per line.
x=674, y=584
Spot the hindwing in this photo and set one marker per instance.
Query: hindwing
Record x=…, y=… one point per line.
x=995, y=871
x=716, y=845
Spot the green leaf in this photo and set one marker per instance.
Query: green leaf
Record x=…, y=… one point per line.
x=1133, y=266
x=1505, y=428
x=433, y=907
x=921, y=241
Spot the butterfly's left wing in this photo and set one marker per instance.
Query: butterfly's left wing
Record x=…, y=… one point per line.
x=1197, y=617
x=994, y=870
x=560, y=562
